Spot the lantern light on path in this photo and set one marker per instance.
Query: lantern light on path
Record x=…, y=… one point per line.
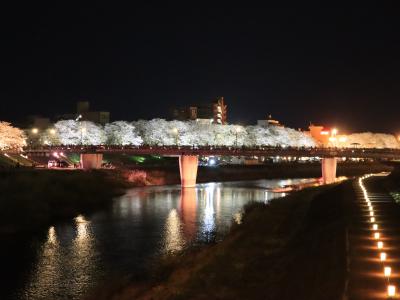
x=376, y=235
x=387, y=271
x=380, y=245
x=375, y=227
x=383, y=256
x=391, y=291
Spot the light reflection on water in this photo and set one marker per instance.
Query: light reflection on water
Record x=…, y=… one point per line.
x=142, y=224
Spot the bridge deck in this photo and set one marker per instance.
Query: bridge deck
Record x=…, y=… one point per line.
x=225, y=151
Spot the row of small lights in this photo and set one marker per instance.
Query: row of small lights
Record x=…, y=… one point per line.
x=387, y=270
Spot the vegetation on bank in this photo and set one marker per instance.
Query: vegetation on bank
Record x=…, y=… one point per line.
x=290, y=248
x=30, y=199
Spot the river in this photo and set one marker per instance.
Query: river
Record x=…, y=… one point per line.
x=68, y=259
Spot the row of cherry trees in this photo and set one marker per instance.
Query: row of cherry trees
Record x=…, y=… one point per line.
x=162, y=132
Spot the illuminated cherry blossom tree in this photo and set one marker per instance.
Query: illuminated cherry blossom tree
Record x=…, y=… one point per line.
x=73, y=132
x=122, y=133
x=11, y=138
x=371, y=140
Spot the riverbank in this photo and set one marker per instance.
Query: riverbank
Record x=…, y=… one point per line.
x=31, y=199
x=147, y=175
x=291, y=248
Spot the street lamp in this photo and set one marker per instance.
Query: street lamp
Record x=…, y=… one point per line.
x=175, y=131
x=35, y=130
x=237, y=130
x=52, y=131
x=83, y=131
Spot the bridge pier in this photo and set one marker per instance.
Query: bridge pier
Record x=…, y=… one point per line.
x=188, y=170
x=91, y=161
x=329, y=169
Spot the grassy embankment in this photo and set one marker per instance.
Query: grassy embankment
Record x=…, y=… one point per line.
x=30, y=199
x=291, y=248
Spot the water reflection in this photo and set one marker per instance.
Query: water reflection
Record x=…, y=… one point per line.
x=47, y=271
x=142, y=224
x=62, y=271
x=188, y=211
x=81, y=260
x=174, y=240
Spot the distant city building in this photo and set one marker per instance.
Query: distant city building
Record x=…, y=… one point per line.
x=214, y=112
x=269, y=122
x=83, y=109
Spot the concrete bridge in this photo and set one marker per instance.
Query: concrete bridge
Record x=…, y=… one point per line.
x=92, y=156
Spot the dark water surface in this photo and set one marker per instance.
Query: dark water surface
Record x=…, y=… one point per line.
x=68, y=259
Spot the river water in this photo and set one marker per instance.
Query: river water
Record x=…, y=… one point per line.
x=69, y=259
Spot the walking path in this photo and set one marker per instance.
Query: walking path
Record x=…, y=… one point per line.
x=374, y=233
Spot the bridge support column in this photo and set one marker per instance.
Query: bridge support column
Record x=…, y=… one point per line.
x=329, y=169
x=91, y=161
x=188, y=170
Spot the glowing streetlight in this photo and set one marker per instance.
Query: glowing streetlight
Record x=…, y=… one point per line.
x=175, y=131
x=376, y=235
x=334, y=131
x=52, y=131
x=375, y=227
x=35, y=130
x=372, y=219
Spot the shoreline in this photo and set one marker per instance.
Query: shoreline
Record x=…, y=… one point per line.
x=260, y=247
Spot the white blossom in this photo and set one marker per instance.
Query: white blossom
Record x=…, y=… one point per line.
x=73, y=132
x=371, y=140
x=122, y=133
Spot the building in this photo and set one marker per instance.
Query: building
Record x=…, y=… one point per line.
x=269, y=122
x=214, y=112
x=83, y=110
x=327, y=137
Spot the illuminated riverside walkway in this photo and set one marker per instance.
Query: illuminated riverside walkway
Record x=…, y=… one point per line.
x=92, y=156
x=374, y=243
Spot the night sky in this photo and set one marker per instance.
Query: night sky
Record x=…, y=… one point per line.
x=331, y=65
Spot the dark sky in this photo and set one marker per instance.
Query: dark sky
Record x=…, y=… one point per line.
x=332, y=65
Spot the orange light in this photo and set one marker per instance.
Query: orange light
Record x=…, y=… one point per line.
x=387, y=271
x=376, y=235
x=375, y=227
